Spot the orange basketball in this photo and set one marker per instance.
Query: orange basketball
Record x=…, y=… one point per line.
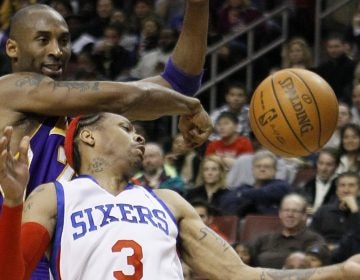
x=293, y=112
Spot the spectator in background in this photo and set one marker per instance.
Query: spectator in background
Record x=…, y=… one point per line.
x=321, y=189
x=211, y=184
x=240, y=172
x=153, y=62
x=271, y=249
x=128, y=40
x=185, y=160
x=353, y=35
x=225, y=20
x=236, y=101
x=336, y=219
x=265, y=195
x=295, y=260
x=243, y=251
x=169, y=10
x=355, y=108
x=87, y=68
x=348, y=246
x=206, y=214
x=115, y=60
x=297, y=54
x=231, y=144
x=104, y=10
x=80, y=39
x=317, y=255
x=63, y=7
x=338, y=70
x=344, y=118
x=349, y=148
x=149, y=36
x=141, y=10
x=156, y=173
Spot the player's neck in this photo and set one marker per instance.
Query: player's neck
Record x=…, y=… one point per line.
x=113, y=185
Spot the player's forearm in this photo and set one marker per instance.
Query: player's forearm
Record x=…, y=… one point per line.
x=212, y=257
x=334, y=272
x=189, y=52
x=34, y=93
x=157, y=101
x=11, y=261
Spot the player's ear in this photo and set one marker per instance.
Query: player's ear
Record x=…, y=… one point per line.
x=87, y=137
x=11, y=48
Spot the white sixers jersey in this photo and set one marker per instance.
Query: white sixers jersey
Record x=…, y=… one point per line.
x=130, y=236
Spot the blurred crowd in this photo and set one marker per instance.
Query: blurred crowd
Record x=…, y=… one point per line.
x=316, y=197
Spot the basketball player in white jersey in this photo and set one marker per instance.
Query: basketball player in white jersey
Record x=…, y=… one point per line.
x=100, y=227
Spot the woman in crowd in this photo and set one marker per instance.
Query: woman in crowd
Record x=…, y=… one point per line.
x=211, y=183
x=297, y=54
x=349, y=148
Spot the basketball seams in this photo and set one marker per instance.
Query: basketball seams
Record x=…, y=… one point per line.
x=285, y=118
x=316, y=106
x=261, y=132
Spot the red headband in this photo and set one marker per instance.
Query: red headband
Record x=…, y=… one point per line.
x=69, y=140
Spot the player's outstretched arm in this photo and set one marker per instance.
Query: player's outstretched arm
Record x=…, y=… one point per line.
x=212, y=257
x=38, y=94
x=22, y=245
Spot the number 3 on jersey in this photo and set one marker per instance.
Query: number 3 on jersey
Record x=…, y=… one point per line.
x=132, y=260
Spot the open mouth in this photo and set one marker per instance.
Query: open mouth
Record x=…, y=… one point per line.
x=52, y=70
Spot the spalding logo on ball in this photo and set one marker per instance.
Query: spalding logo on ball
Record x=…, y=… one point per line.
x=293, y=112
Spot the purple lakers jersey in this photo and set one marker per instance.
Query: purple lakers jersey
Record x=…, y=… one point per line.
x=46, y=154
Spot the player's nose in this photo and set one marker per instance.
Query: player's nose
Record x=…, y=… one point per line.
x=139, y=139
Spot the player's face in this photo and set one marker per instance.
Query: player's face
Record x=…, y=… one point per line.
x=351, y=140
x=235, y=98
x=292, y=214
x=226, y=128
x=119, y=143
x=43, y=45
x=211, y=172
x=325, y=166
x=264, y=169
x=347, y=186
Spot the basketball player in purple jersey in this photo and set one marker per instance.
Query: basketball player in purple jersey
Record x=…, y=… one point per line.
x=35, y=102
x=98, y=226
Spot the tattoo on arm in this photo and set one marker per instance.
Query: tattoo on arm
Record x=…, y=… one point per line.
x=29, y=201
x=30, y=80
x=208, y=232
x=293, y=274
x=74, y=85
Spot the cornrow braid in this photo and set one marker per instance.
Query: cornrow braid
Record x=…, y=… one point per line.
x=71, y=144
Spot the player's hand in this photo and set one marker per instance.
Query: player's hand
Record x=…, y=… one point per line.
x=195, y=128
x=14, y=172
